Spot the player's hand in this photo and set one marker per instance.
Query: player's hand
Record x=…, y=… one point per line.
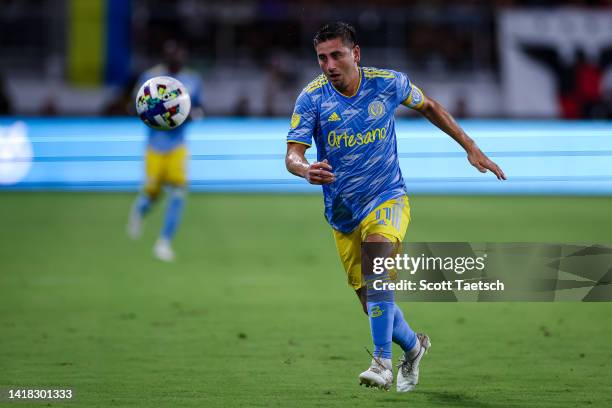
x=320, y=173
x=480, y=160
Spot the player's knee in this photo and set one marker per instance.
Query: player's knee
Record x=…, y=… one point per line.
x=388, y=245
x=152, y=188
x=177, y=191
x=152, y=194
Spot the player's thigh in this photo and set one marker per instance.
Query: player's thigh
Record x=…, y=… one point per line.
x=349, y=250
x=176, y=169
x=390, y=220
x=154, y=172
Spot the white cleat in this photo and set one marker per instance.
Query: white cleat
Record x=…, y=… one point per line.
x=134, y=226
x=163, y=251
x=408, y=372
x=379, y=375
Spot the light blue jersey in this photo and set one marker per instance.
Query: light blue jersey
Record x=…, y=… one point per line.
x=357, y=136
x=166, y=140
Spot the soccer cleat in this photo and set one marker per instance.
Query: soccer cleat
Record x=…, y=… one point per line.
x=408, y=372
x=163, y=251
x=134, y=227
x=379, y=375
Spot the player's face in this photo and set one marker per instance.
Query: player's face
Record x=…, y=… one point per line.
x=339, y=62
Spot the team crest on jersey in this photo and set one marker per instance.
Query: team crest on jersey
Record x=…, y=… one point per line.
x=376, y=109
x=416, y=97
x=295, y=120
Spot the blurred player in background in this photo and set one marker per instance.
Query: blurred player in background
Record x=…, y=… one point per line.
x=349, y=110
x=166, y=156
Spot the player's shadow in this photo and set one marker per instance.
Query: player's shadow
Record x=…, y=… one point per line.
x=454, y=399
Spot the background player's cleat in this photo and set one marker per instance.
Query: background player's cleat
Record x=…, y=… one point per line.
x=134, y=227
x=408, y=372
x=163, y=250
x=379, y=375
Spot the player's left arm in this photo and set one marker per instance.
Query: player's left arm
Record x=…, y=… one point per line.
x=439, y=116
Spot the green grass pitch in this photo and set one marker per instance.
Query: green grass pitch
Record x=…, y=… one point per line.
x=256, y=312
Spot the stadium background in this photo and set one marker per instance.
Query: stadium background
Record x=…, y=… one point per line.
x=256, y=302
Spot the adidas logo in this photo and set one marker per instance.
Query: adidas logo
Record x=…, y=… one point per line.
x=334, y=117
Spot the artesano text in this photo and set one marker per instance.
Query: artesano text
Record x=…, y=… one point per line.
x=344, y=139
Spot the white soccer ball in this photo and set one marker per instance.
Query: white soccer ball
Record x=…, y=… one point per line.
x=163, y=103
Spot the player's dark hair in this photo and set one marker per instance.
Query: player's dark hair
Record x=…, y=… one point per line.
x=337, y=29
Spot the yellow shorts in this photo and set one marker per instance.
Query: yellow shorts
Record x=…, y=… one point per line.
x=390, y=219
x=165, y=168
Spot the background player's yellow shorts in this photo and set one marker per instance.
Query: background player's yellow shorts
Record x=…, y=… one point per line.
x=389, y=219
x=165, y=168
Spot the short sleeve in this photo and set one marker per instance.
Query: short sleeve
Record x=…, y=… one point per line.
x=402, y=84
x=303, y=120
x=409, y=94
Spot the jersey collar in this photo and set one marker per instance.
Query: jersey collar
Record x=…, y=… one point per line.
x=358, y=86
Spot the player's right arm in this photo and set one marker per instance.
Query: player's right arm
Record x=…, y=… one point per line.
x=314, y=173
x=303, y=125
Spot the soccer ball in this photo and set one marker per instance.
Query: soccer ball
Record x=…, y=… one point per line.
x=163, y=103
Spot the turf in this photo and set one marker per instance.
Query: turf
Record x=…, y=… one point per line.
x=256, y=311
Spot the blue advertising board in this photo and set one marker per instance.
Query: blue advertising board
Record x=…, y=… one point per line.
x=247, y=155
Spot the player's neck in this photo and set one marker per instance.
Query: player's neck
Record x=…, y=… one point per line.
x=353, y=85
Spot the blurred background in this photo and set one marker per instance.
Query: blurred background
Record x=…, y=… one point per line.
x=479, y=58
x=69, y=69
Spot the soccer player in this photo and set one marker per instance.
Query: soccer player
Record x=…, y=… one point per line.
x=349, y=111
x=166, y=155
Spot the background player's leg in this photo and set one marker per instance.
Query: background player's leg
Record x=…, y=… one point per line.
x=163, y=247
x=143, y=203
x=140, y=208
x=148, y=195
x=174, y=210
x=177, y=179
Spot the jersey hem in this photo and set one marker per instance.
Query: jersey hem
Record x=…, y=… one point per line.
x=378, y=202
